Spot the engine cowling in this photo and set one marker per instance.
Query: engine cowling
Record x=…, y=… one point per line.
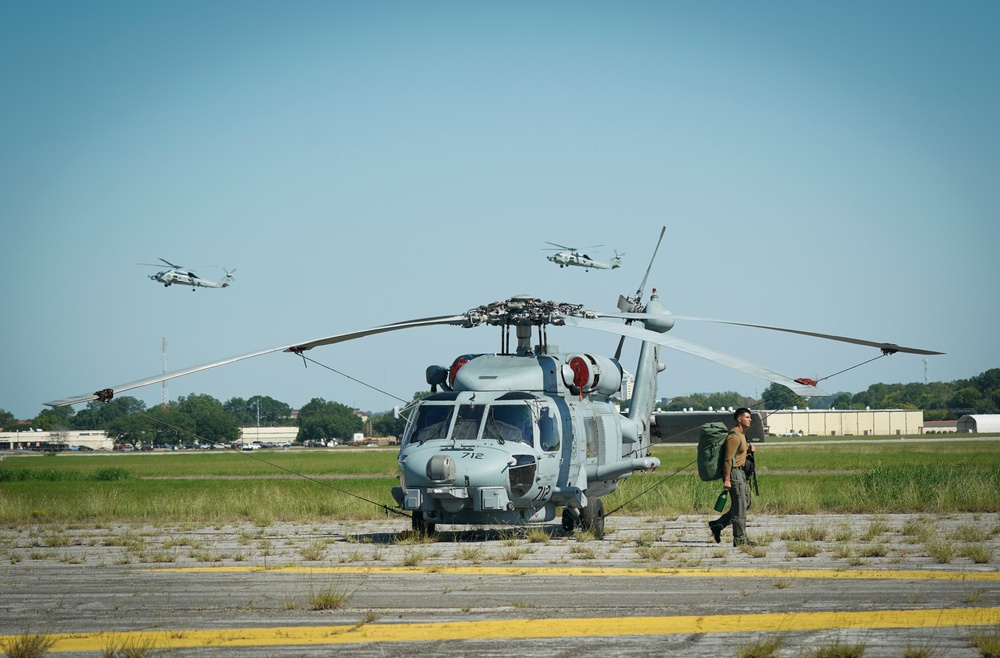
x=589, y=373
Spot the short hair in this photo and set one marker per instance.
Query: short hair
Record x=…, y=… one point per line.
x=739, y=412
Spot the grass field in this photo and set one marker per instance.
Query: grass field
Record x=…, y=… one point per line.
x=298, y=485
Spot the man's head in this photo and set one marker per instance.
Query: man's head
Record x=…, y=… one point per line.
x=742, y=413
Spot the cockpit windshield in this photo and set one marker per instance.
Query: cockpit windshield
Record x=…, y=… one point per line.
x=470, y=416
x=498, y=422
x=431, y=423
x=509, y=423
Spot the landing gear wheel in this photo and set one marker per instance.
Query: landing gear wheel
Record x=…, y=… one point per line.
x=568, y=523
x=592, y=518
x=421, y=525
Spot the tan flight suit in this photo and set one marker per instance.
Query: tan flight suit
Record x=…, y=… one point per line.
x=739, y=492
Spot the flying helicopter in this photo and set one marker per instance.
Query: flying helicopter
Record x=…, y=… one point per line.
x=182, y=276
x=566, y=256
x=511, y=437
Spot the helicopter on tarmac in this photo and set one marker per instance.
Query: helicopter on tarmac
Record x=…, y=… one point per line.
x=566, y=256
x=181, y=276
x=511, y=437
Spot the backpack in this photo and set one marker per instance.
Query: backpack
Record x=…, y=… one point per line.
x=711, y=453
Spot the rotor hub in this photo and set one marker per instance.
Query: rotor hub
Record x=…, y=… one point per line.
x=524, y=311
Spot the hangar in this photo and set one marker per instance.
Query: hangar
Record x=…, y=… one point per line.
x=681, y=426
x=979, y=423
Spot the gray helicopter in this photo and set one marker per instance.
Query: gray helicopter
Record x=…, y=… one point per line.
x=512, y=437
x=567, y=256
x=182, y=276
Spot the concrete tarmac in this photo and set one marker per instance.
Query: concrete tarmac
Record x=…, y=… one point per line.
x=653, y=586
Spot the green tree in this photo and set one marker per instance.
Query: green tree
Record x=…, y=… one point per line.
x=696, y=401
x=133, y=429
x=7, y=421
x=50, y=420
x=988, y=383
x=966, y=400
x=319, y=419
x=171, y=426
x=97, y=415
x=268, y=411
x=841, y=401
x=777, y=396
x=212, y=423
x=238, y=408
x=386, y=424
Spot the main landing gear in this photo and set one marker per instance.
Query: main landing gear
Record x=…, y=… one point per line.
x=591, y=519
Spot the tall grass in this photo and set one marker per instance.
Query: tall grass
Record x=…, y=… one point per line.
x=208, y=501
x=259, y=463
x=931, y=489
x=852, y=456
x=62, y=475
x=224, y=486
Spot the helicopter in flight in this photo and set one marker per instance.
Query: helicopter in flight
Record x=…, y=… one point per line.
x=182, y=276
x=566, y=256
x=511, y=437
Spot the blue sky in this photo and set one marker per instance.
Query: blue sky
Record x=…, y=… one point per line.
x=826, y=166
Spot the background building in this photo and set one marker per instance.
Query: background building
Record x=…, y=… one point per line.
x=979, y=423
x=682, y=426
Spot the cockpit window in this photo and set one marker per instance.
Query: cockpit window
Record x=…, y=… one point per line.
x=548, y=431
x=431, y=423
x=467, y=422
x=509, y=423
x=503, y=422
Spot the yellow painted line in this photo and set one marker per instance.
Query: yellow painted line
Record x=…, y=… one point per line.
x=728, y=572
x=521, y=629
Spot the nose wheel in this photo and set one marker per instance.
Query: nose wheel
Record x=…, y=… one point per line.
x=568, y=522
x=421, y=525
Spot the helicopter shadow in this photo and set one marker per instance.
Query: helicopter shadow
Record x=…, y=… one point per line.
x=468, y=536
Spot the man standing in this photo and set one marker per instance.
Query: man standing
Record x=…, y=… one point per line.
x=735, y=481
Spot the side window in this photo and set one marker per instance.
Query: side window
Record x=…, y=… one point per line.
x=548, y=430
x=467, y=422
x=431, y=422
x=509, y=423
x=593, y=436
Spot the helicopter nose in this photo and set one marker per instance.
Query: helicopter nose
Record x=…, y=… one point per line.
x=441, y=469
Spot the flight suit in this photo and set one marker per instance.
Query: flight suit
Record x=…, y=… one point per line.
x=739, y=492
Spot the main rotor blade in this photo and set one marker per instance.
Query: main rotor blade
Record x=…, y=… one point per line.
x=107, y=393
x=888, y=348
x=642, y=286
x=340, y=338
x=694, y=349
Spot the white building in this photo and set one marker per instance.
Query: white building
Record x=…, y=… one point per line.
x=848, y=422
x=60, y=440
x=979, y=423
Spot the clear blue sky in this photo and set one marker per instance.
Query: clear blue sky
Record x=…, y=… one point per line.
x=826, y=166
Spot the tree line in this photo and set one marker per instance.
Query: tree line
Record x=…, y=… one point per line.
x=939, y=400
x=203, y=418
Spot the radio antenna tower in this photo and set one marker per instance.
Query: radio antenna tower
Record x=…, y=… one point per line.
x=166, y=400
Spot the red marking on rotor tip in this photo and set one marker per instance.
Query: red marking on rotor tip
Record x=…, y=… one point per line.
x=806, y=381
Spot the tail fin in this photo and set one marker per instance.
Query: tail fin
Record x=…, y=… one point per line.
x=644, y=393
x=226, y=279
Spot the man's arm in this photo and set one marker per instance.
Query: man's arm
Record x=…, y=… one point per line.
x=731, y=446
